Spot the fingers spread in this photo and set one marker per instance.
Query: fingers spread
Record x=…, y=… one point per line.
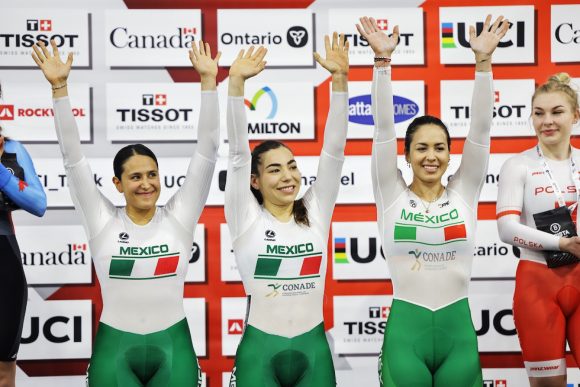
x=54, y=48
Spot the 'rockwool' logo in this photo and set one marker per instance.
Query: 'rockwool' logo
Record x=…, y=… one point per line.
x=39, y=25
x=274, y=101
x=7, y=112
x=235, y=326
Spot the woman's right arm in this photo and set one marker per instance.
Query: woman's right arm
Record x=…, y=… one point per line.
x=387, y=182
x=85, y=195
x=509, y=209
x=239, y=200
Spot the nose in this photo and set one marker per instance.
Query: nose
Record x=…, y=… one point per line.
x=286, y=174
x=431, y=154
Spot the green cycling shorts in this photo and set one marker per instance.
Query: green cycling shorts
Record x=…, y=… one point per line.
x=430, y=348
x=267, y=360
x=160, y=359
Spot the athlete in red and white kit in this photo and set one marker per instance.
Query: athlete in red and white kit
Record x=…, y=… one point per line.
x=546, y=300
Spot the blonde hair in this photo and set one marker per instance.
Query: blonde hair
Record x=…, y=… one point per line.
x=559, y=82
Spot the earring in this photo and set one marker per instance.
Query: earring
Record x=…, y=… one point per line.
x=408, y=164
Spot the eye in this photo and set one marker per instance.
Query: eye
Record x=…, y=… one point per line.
x=274, y=170
x=558, y=112
x=440, y=148
x=153, y=174
x=134, y=177
x=421, y=149
x=537, y=114
x=294, y=167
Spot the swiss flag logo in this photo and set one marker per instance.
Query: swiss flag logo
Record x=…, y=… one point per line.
x=383, y=24
x=160, y=99
x=235, y=326
x=7, y=112
x=46, y=25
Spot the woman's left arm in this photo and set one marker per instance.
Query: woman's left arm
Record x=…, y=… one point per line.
x=28, y=194
x=327, y=184
x=188, y=202
x=469, y=178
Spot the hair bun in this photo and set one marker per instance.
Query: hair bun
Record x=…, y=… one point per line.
x=562, y=78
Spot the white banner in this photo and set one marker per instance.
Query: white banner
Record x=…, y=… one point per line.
x=511, y=112
x=56, y=329
x=55, y=254
x=197, y=321
x=411, y=35
x=197, y=266
x=229, y=268
x=491, y=311
x=275, y=111
x=288, y=34
x=359, y=324
x=159, y=112
x=151, y=37
x=233, y=316
x=565, y=33
x=26, y=112
x=408, y=103
x=357, y=252
x=492, y=257
x=21, y=28
x=516, y=47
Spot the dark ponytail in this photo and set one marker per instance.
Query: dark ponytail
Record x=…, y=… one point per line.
x=299, y=210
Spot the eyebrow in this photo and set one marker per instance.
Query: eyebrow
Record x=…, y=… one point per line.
x=425, y=144
x=555, y=107
x=279, y=165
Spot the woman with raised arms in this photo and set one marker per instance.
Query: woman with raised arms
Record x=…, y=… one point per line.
x=140, y=251
x=428, y=229
x=280, y=241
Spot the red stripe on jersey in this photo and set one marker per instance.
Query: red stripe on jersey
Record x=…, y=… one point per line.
x=166, y=265
x=509, y=212
x=455, y=232
x=311, y=265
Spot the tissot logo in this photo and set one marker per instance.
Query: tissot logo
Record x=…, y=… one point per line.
x=39, y=25
x=235, y=326
x=297, y=36
x=36, y=28
x=495, y=383
x=379, y=311
x=153, y=114
x=73, y=254
x=7, y=112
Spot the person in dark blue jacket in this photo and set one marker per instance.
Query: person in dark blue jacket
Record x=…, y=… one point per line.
x=20, y=188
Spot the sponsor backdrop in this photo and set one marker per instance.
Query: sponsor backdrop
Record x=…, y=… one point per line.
x=132, y=82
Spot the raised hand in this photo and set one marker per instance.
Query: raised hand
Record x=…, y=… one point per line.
x=54, y=69
x=336, y=61
x=484, y=44
x=248, y=64
x=382, y=45
x=201, y=60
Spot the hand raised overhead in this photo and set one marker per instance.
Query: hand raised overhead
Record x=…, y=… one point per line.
x=336, y=61
x=202, y=61
x=484, y=44
x=381, y=43
x=248, y=64
x=54, y=69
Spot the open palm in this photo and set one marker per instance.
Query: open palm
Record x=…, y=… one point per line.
x=381, y=43
x=202, y=61
x=336, y=61
x=249, y=64
x=54, y=69
x=486, y=42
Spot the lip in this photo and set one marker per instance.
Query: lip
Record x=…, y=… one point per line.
x=549, y=132
x=430, y=168
x=287, y=189
x=145, y=194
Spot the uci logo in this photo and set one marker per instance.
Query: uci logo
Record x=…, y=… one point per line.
x=555, y=228
x=297, y=36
